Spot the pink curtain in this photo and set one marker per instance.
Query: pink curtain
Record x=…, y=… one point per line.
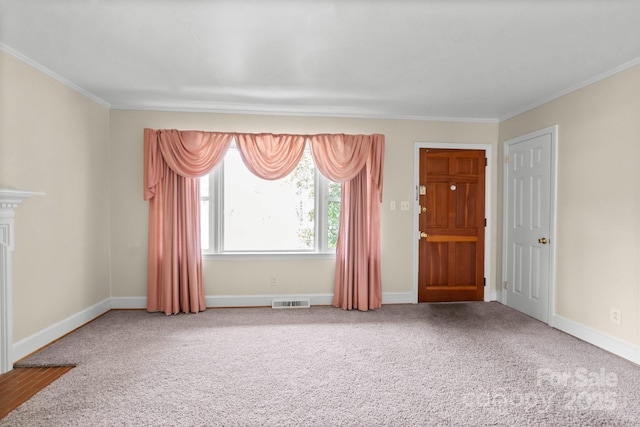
x=173, y=161
x=357, y=162
x=270, y=156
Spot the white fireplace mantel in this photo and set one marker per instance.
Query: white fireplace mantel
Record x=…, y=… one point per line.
x=9, y=201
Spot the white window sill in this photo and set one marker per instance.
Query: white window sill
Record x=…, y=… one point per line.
x=269, y=255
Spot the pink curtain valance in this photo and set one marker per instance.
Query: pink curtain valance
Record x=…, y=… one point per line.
x=173, y=160
x=338, y=157
x=341, y=157
x=270, y=156
x=188, y=153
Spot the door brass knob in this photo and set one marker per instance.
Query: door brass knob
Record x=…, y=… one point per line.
x=423, y=235
x=543, y=240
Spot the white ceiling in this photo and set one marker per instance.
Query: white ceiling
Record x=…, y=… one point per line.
x=455, y=59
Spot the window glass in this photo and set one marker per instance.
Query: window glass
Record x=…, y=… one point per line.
x=261, y=215
x=242, y=213
x=333, y=214
x=204, y=213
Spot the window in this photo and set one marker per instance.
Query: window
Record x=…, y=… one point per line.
x=241, y=213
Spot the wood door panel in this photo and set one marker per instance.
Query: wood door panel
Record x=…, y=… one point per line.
x=451, y=238
x=452, y=162
x=466, y=166
x=451, y=256
x=437, y=214
x=437, y=166
x=466, y=206
x=437, y=260
x=465, y=266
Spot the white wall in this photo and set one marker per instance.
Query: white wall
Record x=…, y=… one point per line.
x=54, y=140
x=598, y=222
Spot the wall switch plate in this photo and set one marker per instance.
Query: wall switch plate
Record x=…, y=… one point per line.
x=392, y=205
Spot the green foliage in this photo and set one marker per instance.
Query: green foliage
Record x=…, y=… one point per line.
x=306, y=236
x=304, y=180
x=335, y=189
x=333, y=223
x=333, y=214
x=303, y=176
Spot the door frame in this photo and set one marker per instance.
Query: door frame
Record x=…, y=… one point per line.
x=553, y=130
x=489, y=295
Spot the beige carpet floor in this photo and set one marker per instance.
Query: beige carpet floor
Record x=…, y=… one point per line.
x=472, y=364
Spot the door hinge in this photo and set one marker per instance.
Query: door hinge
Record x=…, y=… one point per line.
x=486, y=161
x=484, y=280
x=506, y=159
x=505, y=284
x=485, y=222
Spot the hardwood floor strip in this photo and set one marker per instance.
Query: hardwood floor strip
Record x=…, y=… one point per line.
x=20, y=384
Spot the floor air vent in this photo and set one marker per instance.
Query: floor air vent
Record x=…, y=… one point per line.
x=291, y=303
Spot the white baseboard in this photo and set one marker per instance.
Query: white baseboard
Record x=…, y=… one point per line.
x=128, y=302
x=259, y=300
x=490, y=295
x=398, y=298
x=46, y=336
x=262, y=300
x=614, y=345
x=316, y=299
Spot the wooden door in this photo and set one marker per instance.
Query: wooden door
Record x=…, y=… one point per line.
x=527, y=223
x=451, y=203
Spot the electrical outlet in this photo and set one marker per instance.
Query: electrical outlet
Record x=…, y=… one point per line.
x=615, y=316
x=273, y=281
x=404, y=206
